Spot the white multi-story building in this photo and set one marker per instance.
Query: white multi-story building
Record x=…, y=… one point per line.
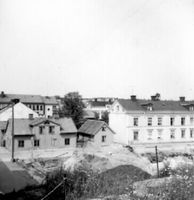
x=45, y=106
x=152, y=121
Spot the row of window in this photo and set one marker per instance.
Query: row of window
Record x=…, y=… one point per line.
x=172, y=134
x=51, y=129
x=37, y=142
x=35, y=107
x=159, y=122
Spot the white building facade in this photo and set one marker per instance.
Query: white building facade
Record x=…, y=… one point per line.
x=152, y=121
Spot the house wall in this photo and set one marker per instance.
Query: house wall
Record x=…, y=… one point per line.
x=28, y=143
x=98, y=137
x=46, y=139
x=48, y=110
x=122, y=124
x=20, y=111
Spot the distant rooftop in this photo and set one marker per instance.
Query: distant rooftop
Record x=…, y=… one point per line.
x=135, y=104
x=27, y=98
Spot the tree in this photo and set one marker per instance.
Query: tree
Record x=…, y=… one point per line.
x=73, y=107
x=105, y=117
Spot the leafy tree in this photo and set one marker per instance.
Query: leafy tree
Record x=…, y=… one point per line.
x=73, y=107
x=105, y=117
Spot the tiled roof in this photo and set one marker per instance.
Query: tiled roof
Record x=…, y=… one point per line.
x=91, y=127
x=160, y=105
x=24, y=98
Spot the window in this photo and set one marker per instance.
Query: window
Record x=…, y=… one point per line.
x=20, y=143
x=51, y=129
x=67, y=141
x=149, y=121
x=172, y=121
x=150, y=134
x=41, y=129
x=191, y=108
x=103, y=128
x=191, y=133
x=183, y=133
x=159, y=134
x=103, y=138
x=182, y=121
x=36, y=143
x=117, y=108
x=172, y=134
x=135, y=121
x=33, y=107
x=37, y=107
x=135, y=135
x=41, y=107
x=159, y=121
x=4, y=143
x=191, y=120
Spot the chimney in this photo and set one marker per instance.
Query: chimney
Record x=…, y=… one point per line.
x=2, y=94
x=133, y=98
x=31, y=116
x=153, y=98
x=182, y=99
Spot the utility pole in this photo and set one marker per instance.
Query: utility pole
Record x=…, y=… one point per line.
x=13, y=102
x=157, y=161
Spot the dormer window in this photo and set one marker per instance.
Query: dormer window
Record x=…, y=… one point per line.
x=117, y=108
x=191, y=108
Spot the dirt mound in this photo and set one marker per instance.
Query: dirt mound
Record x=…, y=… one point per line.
x=80, y=160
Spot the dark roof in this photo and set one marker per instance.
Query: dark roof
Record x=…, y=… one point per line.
x=25, y=126
x=159, y=105
x=99, y=103
x=67, y=125
x=91, y=127
x=88, y=114
x=25, y=98
x=21, y=127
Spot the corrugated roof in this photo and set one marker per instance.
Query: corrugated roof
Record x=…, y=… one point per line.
x=91, y=127
x=160, y=105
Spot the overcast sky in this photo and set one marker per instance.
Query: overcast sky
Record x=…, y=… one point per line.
x=97, y=47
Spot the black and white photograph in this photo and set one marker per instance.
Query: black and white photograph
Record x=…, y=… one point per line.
x=96, y=99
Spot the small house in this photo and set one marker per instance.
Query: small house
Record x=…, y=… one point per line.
x=96, y=131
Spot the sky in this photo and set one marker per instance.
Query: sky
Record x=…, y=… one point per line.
x=112, y=48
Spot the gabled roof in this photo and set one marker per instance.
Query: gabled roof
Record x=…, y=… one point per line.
x=67, y=125
x=20, y=111
x=25, y=126
x=160, y=105
x=39, y=121
x=21, y=127
x=91, y=127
